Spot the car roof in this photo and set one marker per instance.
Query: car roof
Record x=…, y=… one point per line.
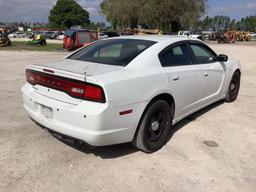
x=156, y=38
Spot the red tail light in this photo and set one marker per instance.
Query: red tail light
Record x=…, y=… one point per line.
x=74, y=88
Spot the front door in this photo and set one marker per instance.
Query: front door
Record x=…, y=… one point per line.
x=213, y=71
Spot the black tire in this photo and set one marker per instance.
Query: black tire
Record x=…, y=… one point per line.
x=233, y=88
x=43, y=42
x=154, y=128
x=8, y=43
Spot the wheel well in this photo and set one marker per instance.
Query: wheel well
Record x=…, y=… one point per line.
x=164, y=96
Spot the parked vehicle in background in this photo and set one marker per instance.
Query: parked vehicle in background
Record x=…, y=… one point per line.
x=31, y=35
x=222, y=37
x=17, y=35
x=4, y=39
x=243, y=36
x=60, y=37
x=38, y=39
x=142, y=31
x=75, y=38
x=129, y=89
x=55, y=34
x=48, y=34
x=112, y=34
x=230, y=36
x=190, y=35
x=252, y=34
x=206, y=34
x=108, y=34
x=102, y=36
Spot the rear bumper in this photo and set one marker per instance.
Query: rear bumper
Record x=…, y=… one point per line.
x=95, y=123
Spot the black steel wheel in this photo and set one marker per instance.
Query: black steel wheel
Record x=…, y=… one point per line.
x=155, y=127
x=233, y=88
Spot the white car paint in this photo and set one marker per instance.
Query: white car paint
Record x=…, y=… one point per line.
x=126, y=88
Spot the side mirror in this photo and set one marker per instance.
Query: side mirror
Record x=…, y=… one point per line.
x=222, y=58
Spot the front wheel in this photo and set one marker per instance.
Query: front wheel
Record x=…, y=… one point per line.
x=233, y=88
x=155, y=127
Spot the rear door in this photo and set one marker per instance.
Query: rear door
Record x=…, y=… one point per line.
x=185, y=79
x=213, y=71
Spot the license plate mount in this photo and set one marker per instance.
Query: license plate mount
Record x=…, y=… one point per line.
x=47, y=112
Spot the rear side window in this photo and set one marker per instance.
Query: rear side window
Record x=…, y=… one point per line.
x=113, y=51
x=202, y=54
x=175, y=56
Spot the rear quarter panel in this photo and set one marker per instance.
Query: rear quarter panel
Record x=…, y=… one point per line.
x=131, y=86
x=140, y=81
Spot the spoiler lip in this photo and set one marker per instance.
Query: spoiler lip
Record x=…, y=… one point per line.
x=48, y=70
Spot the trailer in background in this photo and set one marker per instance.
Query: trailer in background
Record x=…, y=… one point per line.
x=75, y=38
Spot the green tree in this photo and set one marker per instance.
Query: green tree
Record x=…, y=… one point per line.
x=232, y=25
x=162, y=14
x=217, y=23
x=207, y=23
x=67, y=13
x=220, y=22
x=248, y=23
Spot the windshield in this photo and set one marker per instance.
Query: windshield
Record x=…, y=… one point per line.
x=113, y=51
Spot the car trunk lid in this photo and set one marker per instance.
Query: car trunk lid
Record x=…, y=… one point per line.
x=80, y=67
x=71, y=70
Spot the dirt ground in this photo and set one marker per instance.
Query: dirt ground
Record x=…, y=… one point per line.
x=213, y=150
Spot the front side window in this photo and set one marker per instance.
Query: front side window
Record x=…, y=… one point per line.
x=113, y=51
x=175, y=56
x=202, y=54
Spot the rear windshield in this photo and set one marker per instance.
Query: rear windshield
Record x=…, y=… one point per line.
x=113, y=51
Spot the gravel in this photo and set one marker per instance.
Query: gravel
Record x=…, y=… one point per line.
x=212, y=150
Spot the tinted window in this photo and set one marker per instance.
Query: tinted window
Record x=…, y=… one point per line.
x=202, y=54
x=178, y=55
x=113, y=51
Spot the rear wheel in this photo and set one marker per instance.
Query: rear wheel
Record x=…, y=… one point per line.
x=43, y=42
x=155, y=127
x=233, y=88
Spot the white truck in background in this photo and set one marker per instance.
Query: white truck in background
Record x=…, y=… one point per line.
x=190, y=35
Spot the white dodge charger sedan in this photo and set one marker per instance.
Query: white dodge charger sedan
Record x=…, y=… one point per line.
x=128, y=89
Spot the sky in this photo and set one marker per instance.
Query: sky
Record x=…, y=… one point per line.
x=38, y=10
x=236, y=9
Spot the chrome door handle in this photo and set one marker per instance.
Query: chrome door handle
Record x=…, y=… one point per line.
x=206, y=74
x=175, y=78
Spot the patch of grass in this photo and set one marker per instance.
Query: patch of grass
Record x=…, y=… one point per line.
x=22, y=45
